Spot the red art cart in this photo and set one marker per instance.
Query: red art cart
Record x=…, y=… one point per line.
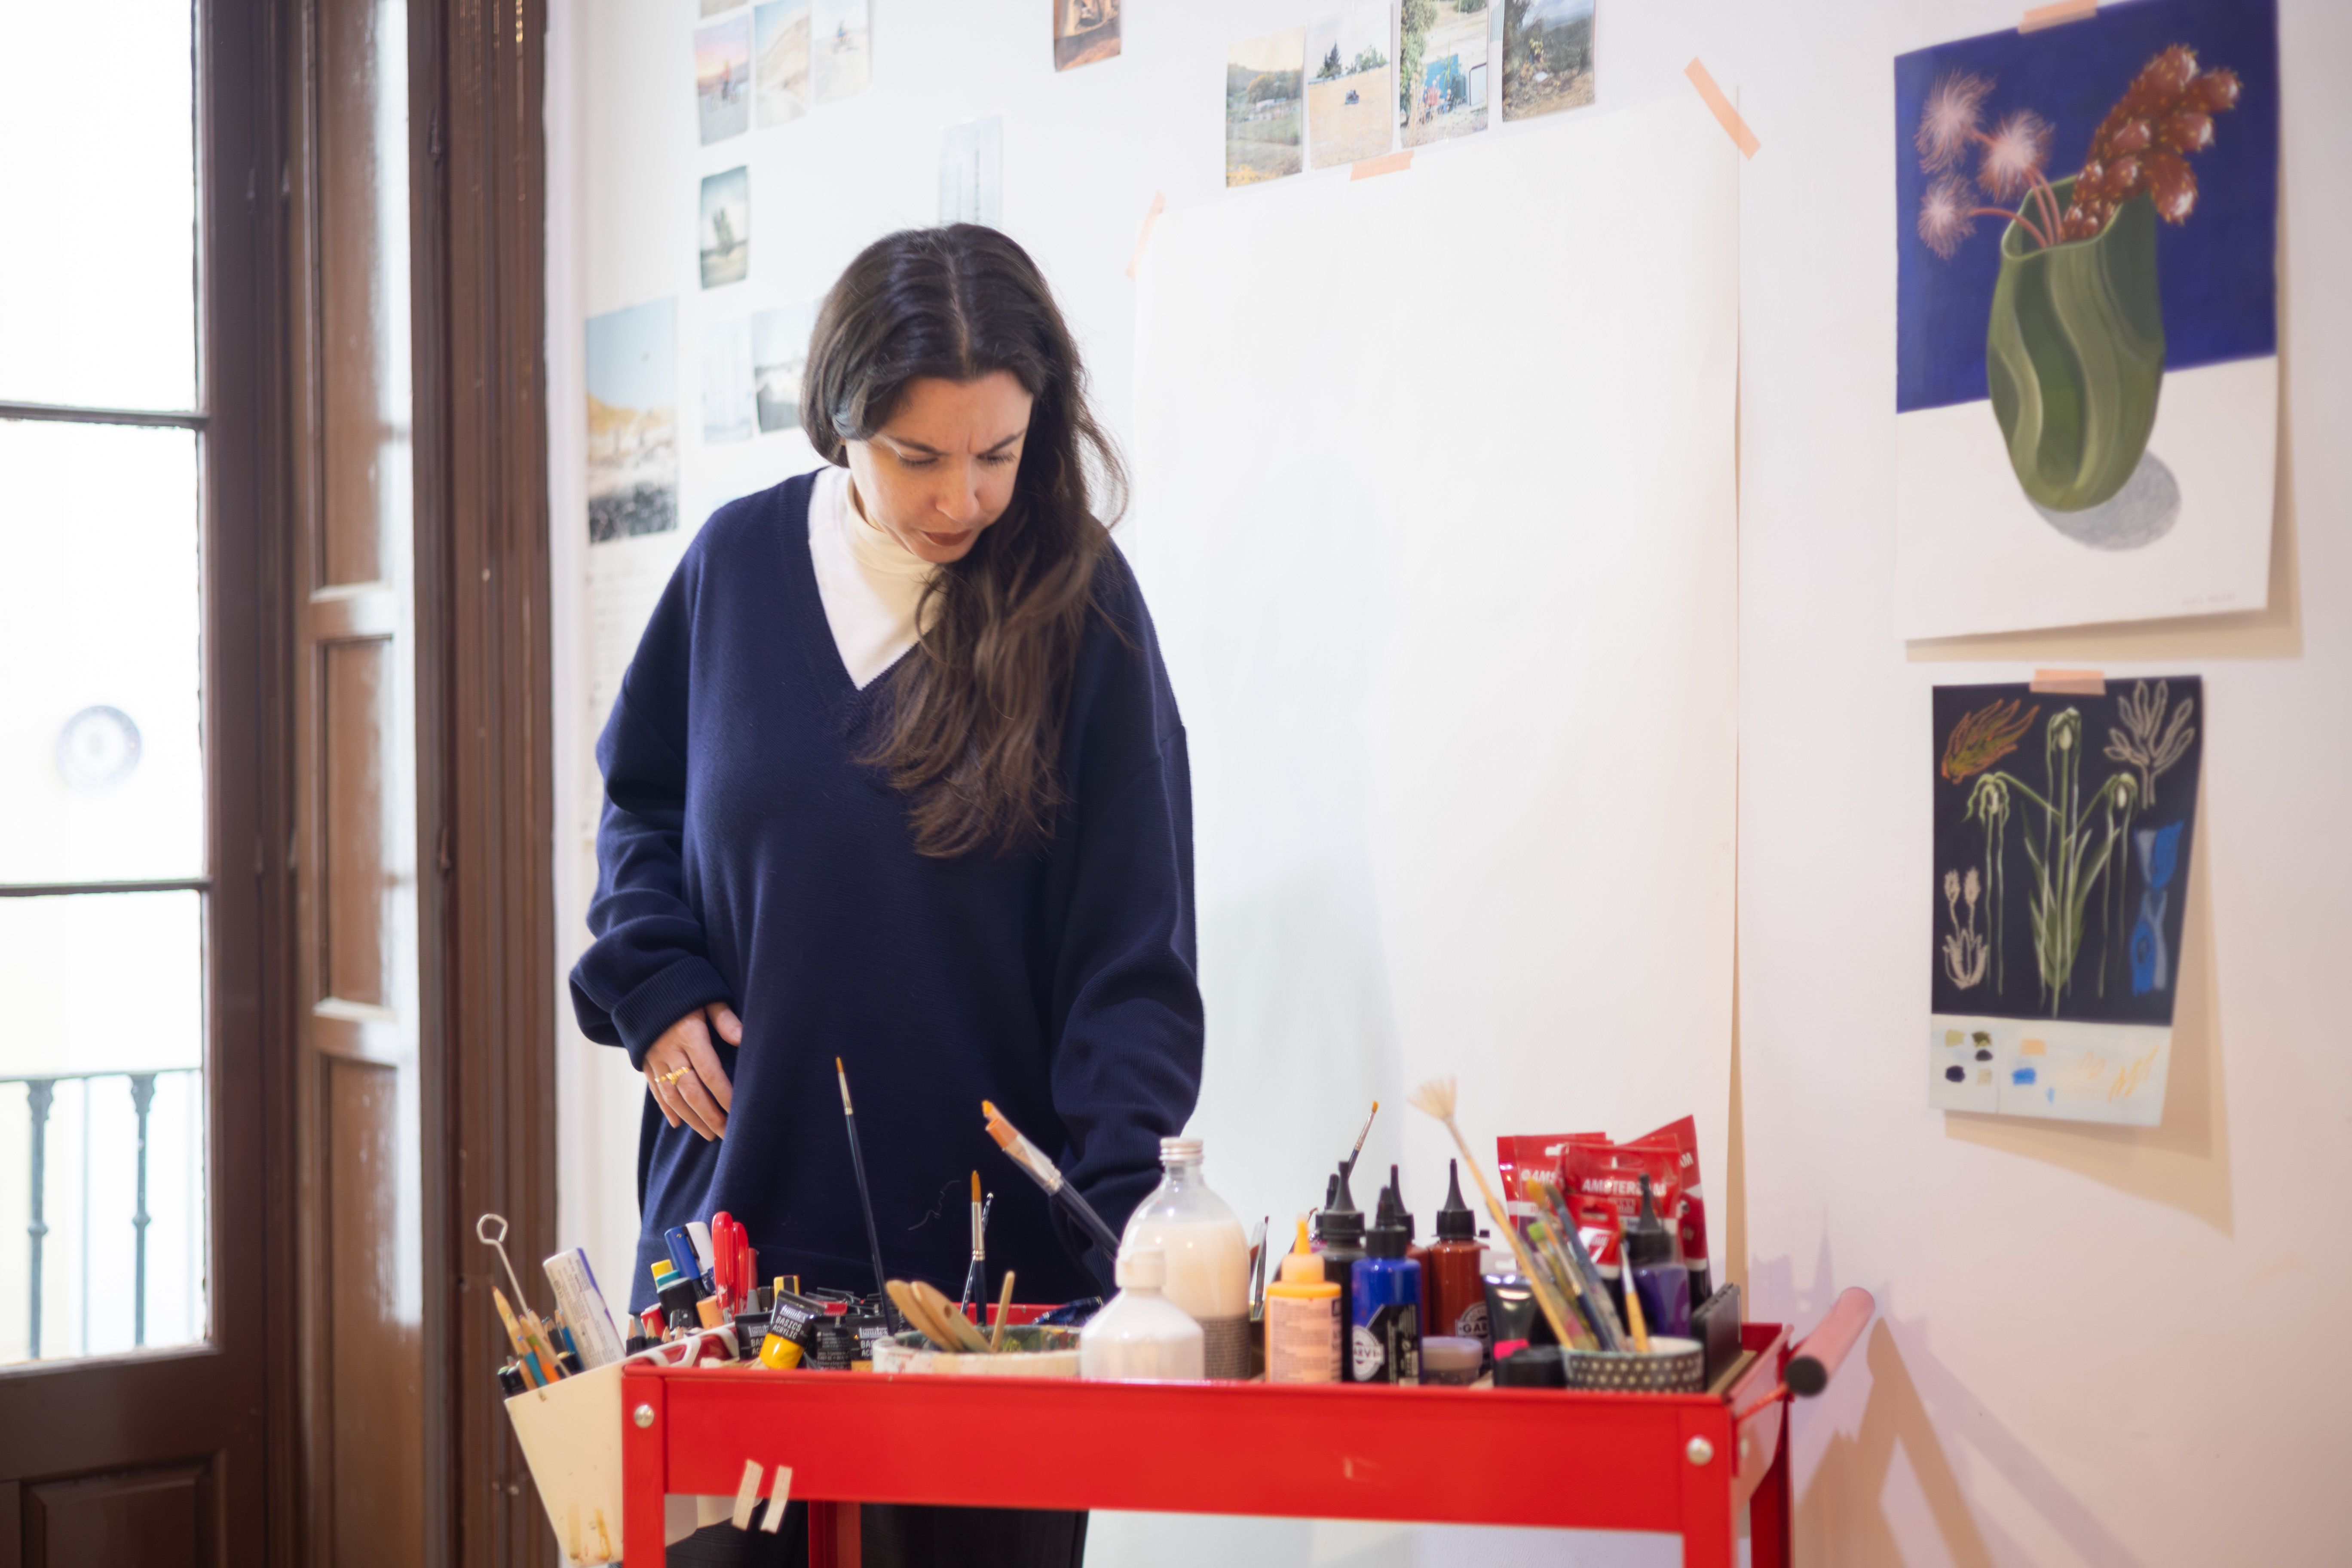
x=1682, y=1464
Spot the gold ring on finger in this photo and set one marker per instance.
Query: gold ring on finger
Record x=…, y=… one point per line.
x=673, y=1077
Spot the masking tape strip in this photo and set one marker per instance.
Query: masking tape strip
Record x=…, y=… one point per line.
x=777, y=1498
x=2069, y=683
x=2058, y=15
x=746, y=1496
x=1720, y=107
x=1386, y=163
x=1159, y=205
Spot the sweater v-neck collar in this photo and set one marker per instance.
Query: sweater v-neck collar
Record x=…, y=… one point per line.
x=850, y=705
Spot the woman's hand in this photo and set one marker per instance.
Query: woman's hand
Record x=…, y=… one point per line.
x=683, y=1070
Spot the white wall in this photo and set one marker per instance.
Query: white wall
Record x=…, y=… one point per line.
x=2028, y=1395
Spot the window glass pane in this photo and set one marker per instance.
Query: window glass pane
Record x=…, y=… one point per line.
x=102, y=1029
x=101, y=765
x=98, y=273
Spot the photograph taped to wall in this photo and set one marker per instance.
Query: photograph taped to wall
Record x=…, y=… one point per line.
x=2060, y=894
x=1349, y=82
x=719, y=7
x=726, y=381
x=2086, y=338
x=841, y=49
x=781, y=30
x=1265, y=122
x=722, y=80
x=631, y=372
x=726, y=227
x=780, y=341
x=971, y=172
x=1547, y=61
x=1442, y=70
x=1084, y=31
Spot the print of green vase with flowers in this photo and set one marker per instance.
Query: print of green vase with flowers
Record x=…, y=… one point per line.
x=2074, y=355
x=2075, y=348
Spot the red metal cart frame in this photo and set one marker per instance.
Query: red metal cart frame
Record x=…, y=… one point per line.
x=1683, y=1464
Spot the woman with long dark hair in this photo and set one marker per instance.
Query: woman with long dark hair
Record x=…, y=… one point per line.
x=896, y=776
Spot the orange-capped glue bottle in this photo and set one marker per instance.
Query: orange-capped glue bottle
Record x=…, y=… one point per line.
x=1302, y=1320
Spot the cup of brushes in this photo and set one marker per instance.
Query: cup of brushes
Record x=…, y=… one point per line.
x=1599, y=1348
x=945, y=1343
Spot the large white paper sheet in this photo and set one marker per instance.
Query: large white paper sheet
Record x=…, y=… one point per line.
x=1437, y=516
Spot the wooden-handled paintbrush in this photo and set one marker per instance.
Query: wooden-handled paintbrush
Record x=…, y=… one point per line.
x=1436, y=1099
x=975, y=1281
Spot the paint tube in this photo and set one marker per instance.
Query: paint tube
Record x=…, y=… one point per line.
x=1604, y=1186
x=1532, y=1153
x=1681, y=1138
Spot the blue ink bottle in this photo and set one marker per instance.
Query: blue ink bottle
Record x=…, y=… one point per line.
x=1653, y=1269
x=1384, y=1342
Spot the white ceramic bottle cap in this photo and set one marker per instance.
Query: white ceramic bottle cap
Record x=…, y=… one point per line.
x=1145, y=1268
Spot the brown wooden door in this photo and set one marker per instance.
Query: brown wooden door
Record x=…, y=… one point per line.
x=356, y=1081
x=140, y=870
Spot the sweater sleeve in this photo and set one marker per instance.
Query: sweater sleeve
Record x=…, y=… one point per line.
x=649, y=963
x=1126, y=1065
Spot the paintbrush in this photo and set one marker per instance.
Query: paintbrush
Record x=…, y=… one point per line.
x=1348, y=1164
x=858, y=1162
x=975, y=1279
x=1003, y=1311
x=1043, y=1172
x=1598, y=1306
x=1563, y=1281
x=1635, y=1325
x=1436, y=1099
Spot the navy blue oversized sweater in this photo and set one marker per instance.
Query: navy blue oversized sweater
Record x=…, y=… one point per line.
x=746, y=856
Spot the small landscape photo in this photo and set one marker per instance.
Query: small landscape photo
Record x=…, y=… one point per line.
x=1442, y=70
x=781, y=30
x=726, y=227
x=1547, y=57
x=633, y=422
x=1348, y=86
x=1264, y=125
x=726, y=381
x=841, y=49
x=722, y=80
x=714, y=8
x=1084, y=31
x=780, y=341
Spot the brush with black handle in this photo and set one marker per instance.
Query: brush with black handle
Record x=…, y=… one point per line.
x=866, y=1201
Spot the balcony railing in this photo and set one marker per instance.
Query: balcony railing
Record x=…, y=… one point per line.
x=42, y=1200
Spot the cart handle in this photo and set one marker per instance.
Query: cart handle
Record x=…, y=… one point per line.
x=1816, y=1358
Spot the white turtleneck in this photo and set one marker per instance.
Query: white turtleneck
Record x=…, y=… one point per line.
x=869, y=582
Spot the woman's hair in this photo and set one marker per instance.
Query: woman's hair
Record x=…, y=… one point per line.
x=976, y=718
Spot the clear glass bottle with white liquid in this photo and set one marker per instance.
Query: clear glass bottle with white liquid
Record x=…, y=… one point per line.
x=1207, y=1256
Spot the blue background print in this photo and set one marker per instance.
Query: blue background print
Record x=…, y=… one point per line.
x=2217, y=272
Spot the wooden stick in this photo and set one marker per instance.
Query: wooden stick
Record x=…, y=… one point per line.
x=1003, y=1307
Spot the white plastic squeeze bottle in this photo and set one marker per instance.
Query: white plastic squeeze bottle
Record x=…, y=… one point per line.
x=1141, y=1335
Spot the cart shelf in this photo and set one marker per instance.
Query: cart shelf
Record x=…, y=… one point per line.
x=1684, y=1465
